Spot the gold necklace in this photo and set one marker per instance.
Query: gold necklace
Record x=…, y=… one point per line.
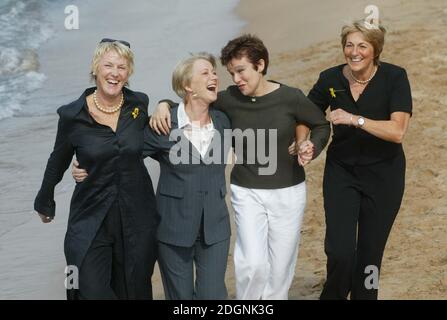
x=108, y=110
x=362, y=81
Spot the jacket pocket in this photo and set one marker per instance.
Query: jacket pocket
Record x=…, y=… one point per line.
x=172, y=190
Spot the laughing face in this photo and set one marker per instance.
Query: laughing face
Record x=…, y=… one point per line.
x=245, y=75
x=204, y=81
x=112, y=74
x=359, y=53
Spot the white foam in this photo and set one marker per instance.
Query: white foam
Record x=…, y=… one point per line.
x=9, y=110
x=23, y=28
x=35, y=79
x=9, y=60
x=13, y=12
x=13, y=61
x=14, y=91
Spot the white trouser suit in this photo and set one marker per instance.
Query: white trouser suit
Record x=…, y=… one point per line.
x=268, y=226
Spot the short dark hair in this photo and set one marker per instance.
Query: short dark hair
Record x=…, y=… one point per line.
x=246, y=45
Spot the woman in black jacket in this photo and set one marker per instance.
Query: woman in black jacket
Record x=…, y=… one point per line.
x=110, y=236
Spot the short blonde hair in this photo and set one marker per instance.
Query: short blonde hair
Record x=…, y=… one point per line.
x=104, y=47
x=182, y=74
x=373, y=35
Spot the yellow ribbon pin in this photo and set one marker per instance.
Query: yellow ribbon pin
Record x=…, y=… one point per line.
x=332, y=91
x=135, y=112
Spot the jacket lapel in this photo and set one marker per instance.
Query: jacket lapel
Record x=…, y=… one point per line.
x=217, y=139
x=174, y=122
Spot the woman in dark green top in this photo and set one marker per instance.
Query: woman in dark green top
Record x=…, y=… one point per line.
x=268, y=196
x=364, y=177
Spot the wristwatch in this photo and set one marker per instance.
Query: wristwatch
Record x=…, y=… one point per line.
x=360, y=121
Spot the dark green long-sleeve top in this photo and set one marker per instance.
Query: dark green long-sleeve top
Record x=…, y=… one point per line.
x=280, y=110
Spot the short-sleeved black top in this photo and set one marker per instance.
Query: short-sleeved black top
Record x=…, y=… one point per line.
x=387, y=92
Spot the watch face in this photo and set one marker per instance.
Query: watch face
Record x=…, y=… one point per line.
x=361, y=121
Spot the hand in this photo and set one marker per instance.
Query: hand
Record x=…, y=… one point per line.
x=305, y=152
x=340, y=116
x=78, y=174
x=292, y=149
x=45, y=219
x=161, y=119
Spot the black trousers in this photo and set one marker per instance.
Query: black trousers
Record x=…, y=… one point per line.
x=361, y=204
x=103, y=271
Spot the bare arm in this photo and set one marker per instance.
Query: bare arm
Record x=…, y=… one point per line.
x=301, y=133
x=302, y=146
x=392, y=130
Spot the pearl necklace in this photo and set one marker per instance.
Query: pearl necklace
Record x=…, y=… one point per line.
x=108, y=110
x=362, y=81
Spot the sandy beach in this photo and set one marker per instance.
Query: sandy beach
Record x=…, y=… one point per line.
x=303, y=38
x=305, y=41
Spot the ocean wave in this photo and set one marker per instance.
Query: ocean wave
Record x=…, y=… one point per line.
x=15, y=90
x=13, y=61
x=23, y=29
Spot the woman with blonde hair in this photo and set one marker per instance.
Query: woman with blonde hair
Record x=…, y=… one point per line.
x=110, y=237
x=268, y=201
x=194, y=231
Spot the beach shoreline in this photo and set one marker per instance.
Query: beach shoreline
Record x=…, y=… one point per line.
x=160, y=33
x=303, y=38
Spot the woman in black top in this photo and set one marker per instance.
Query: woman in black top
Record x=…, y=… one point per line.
x=110, y=237
x=364, y=177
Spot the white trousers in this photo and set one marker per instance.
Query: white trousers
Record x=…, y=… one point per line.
x=268, y=226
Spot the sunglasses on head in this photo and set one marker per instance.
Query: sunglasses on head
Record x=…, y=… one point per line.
x=127, y=44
